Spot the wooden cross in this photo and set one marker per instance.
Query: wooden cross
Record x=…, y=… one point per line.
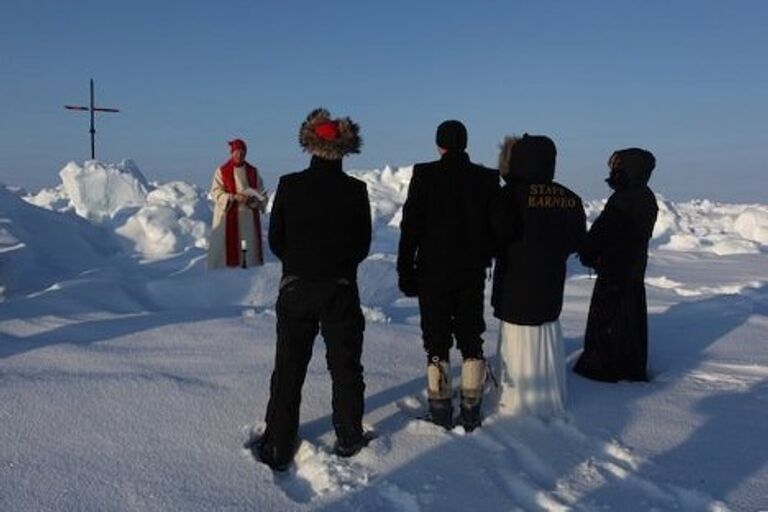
x=92, y=110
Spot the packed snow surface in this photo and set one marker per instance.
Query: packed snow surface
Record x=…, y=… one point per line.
x=131, y=378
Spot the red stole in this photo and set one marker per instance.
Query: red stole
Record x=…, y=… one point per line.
x=233, y=228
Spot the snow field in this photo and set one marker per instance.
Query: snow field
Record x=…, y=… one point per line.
x=130, y=378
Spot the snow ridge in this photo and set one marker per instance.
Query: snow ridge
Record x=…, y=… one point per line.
x=160, y=220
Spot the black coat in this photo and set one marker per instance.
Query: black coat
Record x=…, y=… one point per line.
x=445, y=235
x=537, y=223
x=616, y=340
x=320, y=225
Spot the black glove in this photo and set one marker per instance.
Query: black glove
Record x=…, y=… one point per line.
x=408, y=284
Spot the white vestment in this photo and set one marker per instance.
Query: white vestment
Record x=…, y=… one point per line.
x=531, y=370
x=222, y=201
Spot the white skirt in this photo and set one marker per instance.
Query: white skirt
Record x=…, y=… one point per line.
x=531, y=370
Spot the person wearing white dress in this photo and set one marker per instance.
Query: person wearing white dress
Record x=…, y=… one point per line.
x=239, y=199
x=537, y=225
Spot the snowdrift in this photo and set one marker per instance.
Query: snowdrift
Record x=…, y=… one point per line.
x=153, y=220
x=39, y=247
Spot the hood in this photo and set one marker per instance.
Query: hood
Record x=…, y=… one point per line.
x=630, y=168
x=530, y=158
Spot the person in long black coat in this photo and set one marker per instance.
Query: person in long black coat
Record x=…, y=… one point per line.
x=616, y=339
x=320, y=229
x=444, y=251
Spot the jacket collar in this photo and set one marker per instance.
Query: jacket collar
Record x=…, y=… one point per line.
x=321, y=164
x=455, y=157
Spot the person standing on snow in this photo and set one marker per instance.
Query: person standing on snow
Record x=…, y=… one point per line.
x=537, y=224
x=616, y=339
x=239, y=199
x=444, y=251
x=320, y=229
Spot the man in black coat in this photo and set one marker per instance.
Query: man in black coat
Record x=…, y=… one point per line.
x=320, y=228
x=445, y=249
x=616, y=340
x=538, y=223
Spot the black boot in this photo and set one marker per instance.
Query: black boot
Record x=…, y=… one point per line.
x=441, y=412
x=473, y=374
x=439, y=393
x=276, y=456
x=350, y=448
x=349, y=441
x=469, y=414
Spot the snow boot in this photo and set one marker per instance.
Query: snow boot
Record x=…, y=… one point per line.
x=472, y=381
x=349, y=442
x=277, y=457
x=439, y=393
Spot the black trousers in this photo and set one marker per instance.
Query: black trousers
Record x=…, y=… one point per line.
x=304, y=308
x=451, y=311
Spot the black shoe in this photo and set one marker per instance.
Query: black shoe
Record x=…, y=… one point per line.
x=440, y=412
x=350, y=440
x=351, y=447
x=278, y=458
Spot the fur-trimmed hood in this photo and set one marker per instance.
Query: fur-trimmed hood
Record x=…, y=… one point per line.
x=328, y=138
x=530, y=158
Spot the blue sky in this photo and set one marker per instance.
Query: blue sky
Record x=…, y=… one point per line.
x=686, y=79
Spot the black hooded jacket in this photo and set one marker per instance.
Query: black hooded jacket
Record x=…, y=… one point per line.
x=617, y=243
x=445, y=230
x=537, y=224
x=320, y=224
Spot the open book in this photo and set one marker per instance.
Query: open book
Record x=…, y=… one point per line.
x=256, y=194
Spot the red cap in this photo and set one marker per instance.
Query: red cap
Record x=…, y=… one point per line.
x=327, y=130
x=237, y=144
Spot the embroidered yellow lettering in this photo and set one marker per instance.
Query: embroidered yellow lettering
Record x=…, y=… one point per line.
x=556, y=200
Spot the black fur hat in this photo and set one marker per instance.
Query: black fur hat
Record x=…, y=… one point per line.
x=328, y=138
x=530, y=158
